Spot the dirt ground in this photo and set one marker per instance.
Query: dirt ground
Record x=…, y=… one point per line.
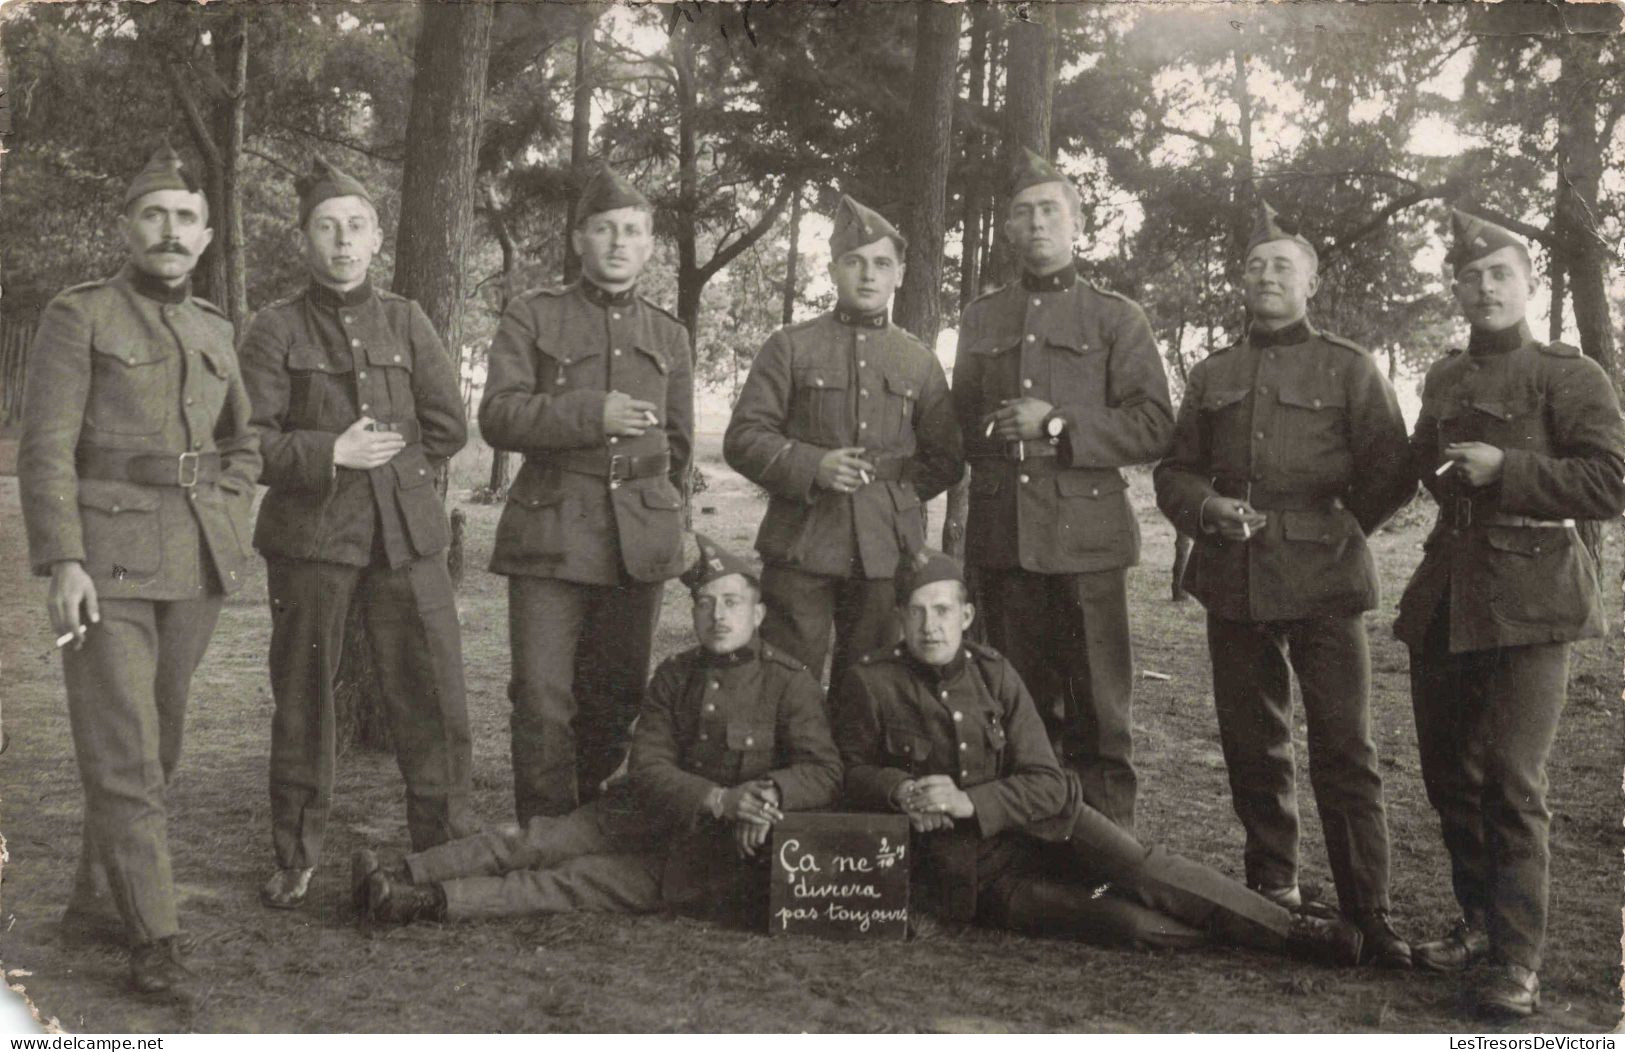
x=315, y=970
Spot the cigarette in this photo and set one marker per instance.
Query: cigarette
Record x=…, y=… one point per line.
x=989, y=432
x=653, y=420
x=1246, y=532
x=1442, y=468
x=864, y=475
x=67, y=637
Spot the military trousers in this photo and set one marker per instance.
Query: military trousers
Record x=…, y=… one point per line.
x=1102, y=885
x=802, y=608
x=1485, y=722
x=127, y=690
x=1068, y=637
x=597, y=858
x=416, y=647
x=1253, y=662
x=580, y=656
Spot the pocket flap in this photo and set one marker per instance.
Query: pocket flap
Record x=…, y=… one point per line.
x=749, y=736
x=566, y=355
x=902, y=386
x=991, y=345
x=412, y=468
x=1086, y=484
x=532, y=490
x=903, y=495
x=1501, y=409
x=1219, y=399
x=132, y=353
x=901, y=743
x=116, y=497
x=389, y=356
x=218, y=361
x=821, y=377
x=655, y=355
x=1519, y=540
x=1313, y=398
x=1321, y=527
x=663, y=495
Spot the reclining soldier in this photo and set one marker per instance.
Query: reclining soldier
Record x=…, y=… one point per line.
x=731, y=736
x=943, y=730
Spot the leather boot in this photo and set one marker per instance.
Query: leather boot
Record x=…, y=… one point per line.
x=157, y=968
x=1326, y=940
x=1383, y=946
x=391, y=900
x=1509, y=990
x=1463, y=946
x=287, y=888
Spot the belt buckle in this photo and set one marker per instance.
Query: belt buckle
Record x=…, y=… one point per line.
x=1016, y=451
x=619, y=465
x=180, y=470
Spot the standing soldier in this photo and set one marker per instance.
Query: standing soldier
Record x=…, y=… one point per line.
x=594, y=384
x=1058, y=385
x=1289, y=452
x=137, y=469
x=1517, y=439
x=357, y=404
x=847, y=422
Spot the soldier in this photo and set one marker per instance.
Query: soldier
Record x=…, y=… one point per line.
x=1058, y=385
x=1518, y=440
x=846, y=421
x=944, y=731
x=137, y=469
x=1289, y=451
x=731, y=736
x=594, y=384
x=357, y=404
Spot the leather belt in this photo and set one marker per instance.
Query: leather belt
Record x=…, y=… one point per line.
x=1459, y=514
x=184, y=470
x=407, y=429
x=1017, y=452
x=616, y=468
x=889, y=469
x=1263, y=498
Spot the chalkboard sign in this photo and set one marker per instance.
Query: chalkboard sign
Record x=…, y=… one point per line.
x=840, y=876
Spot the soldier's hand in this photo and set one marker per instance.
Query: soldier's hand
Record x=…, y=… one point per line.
x=361, y=448
x=72, y=600
x=844, y=470
x=1235, y=520
x=1478, y=462
x=922, y=822
x=1018, y=419
x=749, y=837
x=937, y=794
x=628, y=417
x=756, y=801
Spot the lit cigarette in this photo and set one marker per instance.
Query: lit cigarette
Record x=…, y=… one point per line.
x=864, y=475
x=653, y=420
x=989, y=432
x=1442, y=468
x=1246, y=532
x=67, y=637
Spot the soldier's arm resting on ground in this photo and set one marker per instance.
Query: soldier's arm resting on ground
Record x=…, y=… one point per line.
x=1584, y=480
x=293, y=459
x=1137, y=422
x=680, y=411
x=855, y=715
x=516, y=412
x=1184, y=478
x=56, y=389
x=939, y=456
x=756, y=444
x=437, y=391
x=656, y=773
x=1383, y=481
x=1035, y=788
x=811, y=775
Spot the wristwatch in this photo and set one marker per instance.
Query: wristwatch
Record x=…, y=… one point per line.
x=1054, y=426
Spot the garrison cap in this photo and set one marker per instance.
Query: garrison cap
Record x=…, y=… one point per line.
x=1272, y=226
x=164, y=171
x=1031, y=170
x=922, y=567
x=1475, y=238
x=711, y=561
x=857, y=225
x=323, y=182
x=607, y=191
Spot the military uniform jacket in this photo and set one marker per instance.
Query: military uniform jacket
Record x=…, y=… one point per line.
x=315, y=364
x=710, y=721
x=835, y=381
x=1089, y=353
x=1305, y=426
x=1513, y=572
x=128, y=365
x=555, y=357
x=974, y=721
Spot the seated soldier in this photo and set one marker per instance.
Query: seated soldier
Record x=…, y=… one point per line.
x=943, y=730
x=732, y=734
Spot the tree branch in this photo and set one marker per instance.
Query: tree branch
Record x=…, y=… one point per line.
x=726, y=254
x=274, y=162
x=1393, y=208
x=348, y=144
x=194, y=117
x=1373, y=172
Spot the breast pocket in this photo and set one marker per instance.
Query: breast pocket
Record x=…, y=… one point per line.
x=316, y=397
x=908, y=751
x=902, y=393
x=818, y=411
x=560, y=369
x=132, y=388
x=1510, y=422
x=1312, y=427
x=751, y=745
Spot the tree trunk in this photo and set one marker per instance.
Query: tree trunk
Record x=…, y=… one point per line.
x=580, y=134
x=792, y=260
x=1557, y=269
x=232, y=64
x=688, y=181
x=1241, y=202
x=1579, y=170
x=972, y=167
x=931, y=112
x=497, y=485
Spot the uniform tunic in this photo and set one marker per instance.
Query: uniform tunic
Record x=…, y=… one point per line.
x=1303, y=426
x=593, y=524
x=708, y=720
x=1506, y=582
x=127, y=379
x=1050, y=531
x=315, y=363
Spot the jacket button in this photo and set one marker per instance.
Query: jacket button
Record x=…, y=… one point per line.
x=863, y=392
x=1263, y=389
x=1036, y=301
x=959, y=717
x=615, y=314
x=710, y=707
x=818, y=381
x=1024, y=478
x=1317, y=403
x=861, y=337
x=1258, y=434
x=197, y=443
x=423, y=471
x=716, y=684
x=1027, y=383
x=115, y=509
x=188, y=401
x=613, y=439
x=361, y=374
x=1094, y=491
x=963, y=746
x=749, y=742
x=1031, y=337
x=560, y=380
x=397, y=357
x=348, y=318
x=616, y=352
x=863, y=425
x=355, y=341
x=704, y=736
x=363, y=407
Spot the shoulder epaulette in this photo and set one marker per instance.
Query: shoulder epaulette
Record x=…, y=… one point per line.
x=210, y=307
x=652, y=305
x=1560, y=349
x=797, y=326
x=1333, y=338
x=1109, y=292
x=388, y=296
x=1215, y=352
x=543, y=290
x=84, y=286
x=884, y=654
x=989, y=294
x=779, y=657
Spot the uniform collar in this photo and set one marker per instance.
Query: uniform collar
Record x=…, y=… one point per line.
x=154, y=289
x=1298, y=332
x=734, y=658
x=860, y=320
x=936, y=676
x=1483, y=342
x=327, y=296
x=1059, y=281
x=605, y=298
